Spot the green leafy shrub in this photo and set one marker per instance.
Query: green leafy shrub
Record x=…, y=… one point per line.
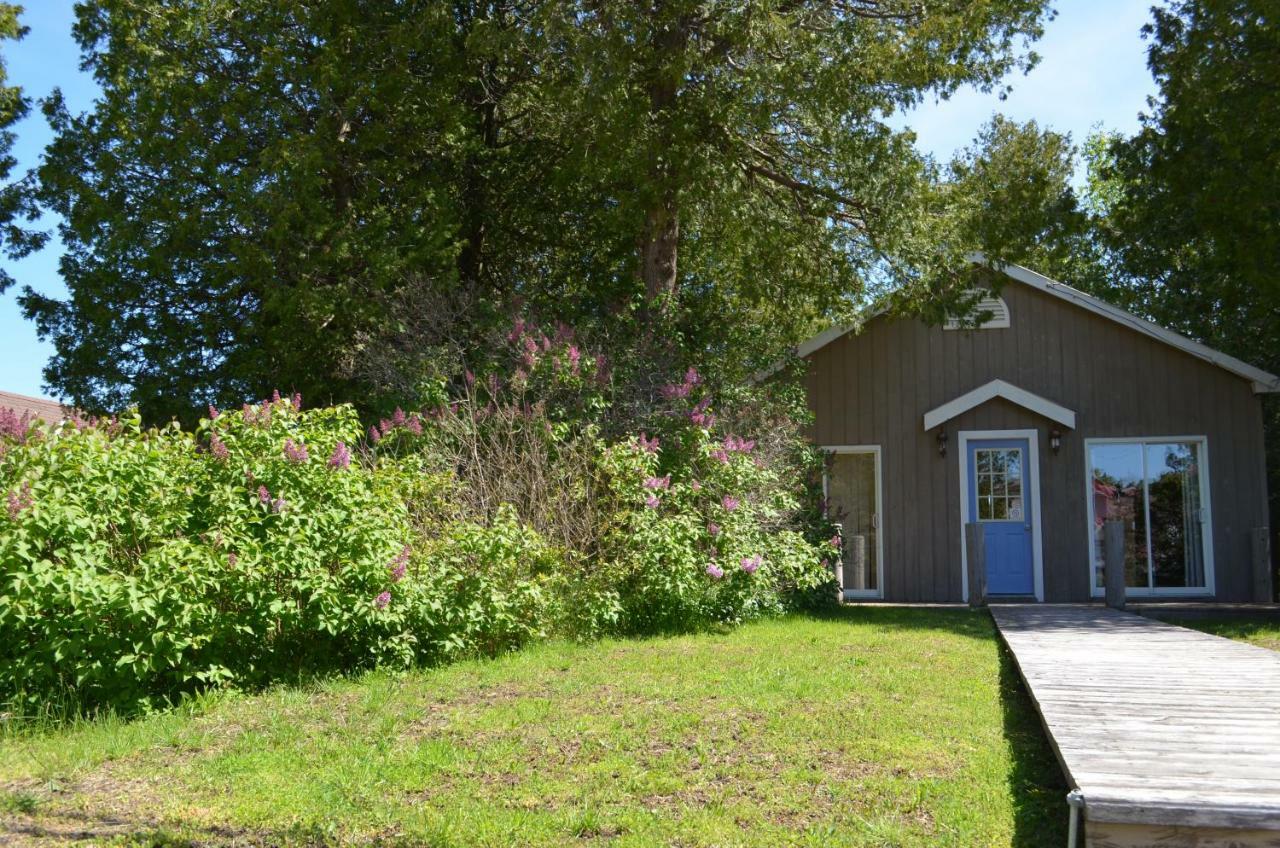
x=140, y=565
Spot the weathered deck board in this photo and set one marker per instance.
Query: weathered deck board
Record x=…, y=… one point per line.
x=1154, y=724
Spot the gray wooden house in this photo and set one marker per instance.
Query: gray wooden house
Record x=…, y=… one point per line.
x=1057, y=412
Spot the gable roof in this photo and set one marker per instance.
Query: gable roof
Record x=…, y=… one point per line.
x=1263, y=382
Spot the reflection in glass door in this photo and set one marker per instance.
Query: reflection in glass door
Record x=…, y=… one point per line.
x=1155, y=487
x=853, y=501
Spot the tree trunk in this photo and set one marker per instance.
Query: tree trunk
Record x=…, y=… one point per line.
x=658, y=253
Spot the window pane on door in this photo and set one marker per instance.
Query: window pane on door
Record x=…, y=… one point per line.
x=1173, y=490
x=1118, y=494
x=851, y=502
x=999, y=483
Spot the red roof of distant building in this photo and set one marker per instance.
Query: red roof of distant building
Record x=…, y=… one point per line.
x=49, y=411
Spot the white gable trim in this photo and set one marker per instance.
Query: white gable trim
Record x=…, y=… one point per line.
x=1008, y=391
x=1263, y=382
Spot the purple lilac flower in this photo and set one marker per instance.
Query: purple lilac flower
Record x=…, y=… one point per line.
x=232, y=559
x=264, y=495
x=400, y=564
x=546, y=343
x=730, y=503
x=15, y=426
x=700, y=417
x=414, y=424
x=696, y=486
x=679, y=390
x=575, y=358
x=653, y=502
x=218, y=448
x=648, y=445
x=20, y=500
x=469, y=378
x=341, y=456
x=382, y=600
x=517, y=330
x=374, y=435
x=296, y=401
x=713, y=529
x=278, y=505
x=275, y=396
x=834, y=541
x=213, y=412
x=528, y=360
x=564, y=333
x=750, y=564
x=295, y=452
x=658, y=482
x=720, y=454
x=715, y=571
x=398, y=418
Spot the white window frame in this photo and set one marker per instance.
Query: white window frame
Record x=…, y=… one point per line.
x=1206, y=508
x=1033, y=463
x=878, y=592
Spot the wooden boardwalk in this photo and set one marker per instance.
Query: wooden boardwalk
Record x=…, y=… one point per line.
x=1170, y=735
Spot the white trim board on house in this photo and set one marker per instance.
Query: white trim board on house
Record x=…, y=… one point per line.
x=1263, y=382
x=999, y=388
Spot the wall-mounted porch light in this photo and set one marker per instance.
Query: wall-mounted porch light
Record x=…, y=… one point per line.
x=1055, y=441
x=942, y=443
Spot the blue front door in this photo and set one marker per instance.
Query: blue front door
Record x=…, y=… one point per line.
x=1000, y=488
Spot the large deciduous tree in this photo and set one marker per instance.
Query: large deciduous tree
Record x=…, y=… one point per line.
x=310, y=195
x=17, y=206
x=1189, y=207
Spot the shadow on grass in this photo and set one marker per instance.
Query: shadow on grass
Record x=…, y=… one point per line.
x=1039, y=787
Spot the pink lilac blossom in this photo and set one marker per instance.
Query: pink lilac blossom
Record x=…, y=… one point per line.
x=232, y=559
x=20, y=500
x=213, y=412
x=564, y=333
x=414, y=424
x=715, y=571
x=653, y=502
x=296, y=401
x=218, y=448
x=275, y=396
x=341, y=456
x=834, y=541
x=730, y=503
x=382, y=600
x=658, y=482
x=295, y=452
x=398, y=418
x=469, y=378
x=575, y=358
x=713, y=529
x=750, y=564
x=696, y=486
x=733, y=444
x=648, y=445
x=278, y=505
x=400, y=564
x=700, y=417
x=15, y=426
x=374, y=435
x=264, y=495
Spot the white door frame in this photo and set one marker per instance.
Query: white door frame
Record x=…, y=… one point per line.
x=878, y=592
x=1037, y=551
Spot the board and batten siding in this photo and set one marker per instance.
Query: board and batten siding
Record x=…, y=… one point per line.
x=874, y=387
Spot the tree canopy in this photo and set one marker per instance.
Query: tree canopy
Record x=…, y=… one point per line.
x=325, y=196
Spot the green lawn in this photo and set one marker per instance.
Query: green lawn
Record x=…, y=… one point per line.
x=1255, y=631
x=885, y=727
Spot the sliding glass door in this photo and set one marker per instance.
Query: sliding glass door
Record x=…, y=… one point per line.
x=1158, y=489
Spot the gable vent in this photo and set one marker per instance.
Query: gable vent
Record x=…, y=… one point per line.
x=993, y=306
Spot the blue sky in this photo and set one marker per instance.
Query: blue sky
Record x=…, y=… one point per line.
x=1092, y=72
